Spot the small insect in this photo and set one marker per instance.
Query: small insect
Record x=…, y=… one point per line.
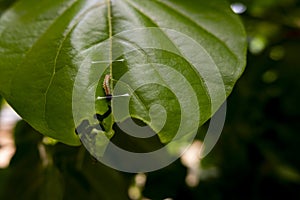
x=107, y=88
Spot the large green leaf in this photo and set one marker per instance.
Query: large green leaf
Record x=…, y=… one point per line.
x=183, y=55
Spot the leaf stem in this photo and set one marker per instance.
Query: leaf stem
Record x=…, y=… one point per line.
x=109, y=18
x=110, y=41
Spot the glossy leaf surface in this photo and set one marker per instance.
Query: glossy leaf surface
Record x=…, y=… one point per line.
x=182, y=55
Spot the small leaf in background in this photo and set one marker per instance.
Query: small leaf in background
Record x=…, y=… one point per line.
x=39, y=171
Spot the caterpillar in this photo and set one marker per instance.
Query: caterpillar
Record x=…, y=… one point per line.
x=106, y=87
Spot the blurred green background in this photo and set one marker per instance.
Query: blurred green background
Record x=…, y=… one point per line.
x=257, y=156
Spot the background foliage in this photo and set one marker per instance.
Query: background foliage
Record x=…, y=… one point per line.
x=257, y=156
